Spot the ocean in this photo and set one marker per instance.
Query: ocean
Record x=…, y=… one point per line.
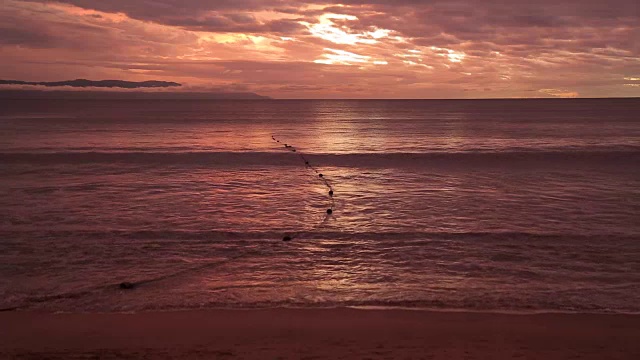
x=484, y=205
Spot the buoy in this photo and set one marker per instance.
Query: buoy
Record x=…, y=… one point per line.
x=127, y=285
x=329, y=211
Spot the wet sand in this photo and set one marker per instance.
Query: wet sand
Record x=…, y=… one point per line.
x=317, y=334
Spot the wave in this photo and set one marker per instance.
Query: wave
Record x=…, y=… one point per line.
x=627, y=158
x=225, y=236
x=535, y=304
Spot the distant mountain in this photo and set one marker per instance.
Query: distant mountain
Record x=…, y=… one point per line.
x=127, y=95
x=99, y=83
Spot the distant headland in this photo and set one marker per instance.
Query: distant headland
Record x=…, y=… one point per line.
x=35, y=90
x=84, y=83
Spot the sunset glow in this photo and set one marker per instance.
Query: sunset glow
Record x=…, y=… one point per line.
x=309, y=49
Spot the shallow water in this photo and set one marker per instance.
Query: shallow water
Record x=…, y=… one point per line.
x=471, y=205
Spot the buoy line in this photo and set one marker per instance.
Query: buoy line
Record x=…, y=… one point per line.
x=322, y=178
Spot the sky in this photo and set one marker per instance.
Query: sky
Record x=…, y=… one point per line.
x=333, y=49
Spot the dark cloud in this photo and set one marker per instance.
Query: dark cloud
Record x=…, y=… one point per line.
x=234, y=23
x=21, y=36
x=446, y=22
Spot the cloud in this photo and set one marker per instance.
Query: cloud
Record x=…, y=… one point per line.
x=355, y=48
x=19, y=36
x=560, y=93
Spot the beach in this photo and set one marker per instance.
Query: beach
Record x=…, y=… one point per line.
x=317, y=334
x=319, y=179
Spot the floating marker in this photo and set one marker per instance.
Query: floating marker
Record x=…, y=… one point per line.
x=127, y=285
x=287, y=238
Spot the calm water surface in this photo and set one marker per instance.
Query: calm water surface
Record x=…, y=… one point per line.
x=471, y=205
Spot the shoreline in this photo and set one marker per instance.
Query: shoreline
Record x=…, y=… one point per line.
x=317, y=333
x=372, y=308
x=293, y=307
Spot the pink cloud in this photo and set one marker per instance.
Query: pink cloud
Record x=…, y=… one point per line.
x=351, y=48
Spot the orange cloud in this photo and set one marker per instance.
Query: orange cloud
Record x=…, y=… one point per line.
x=351, y=48
x=560, y=93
